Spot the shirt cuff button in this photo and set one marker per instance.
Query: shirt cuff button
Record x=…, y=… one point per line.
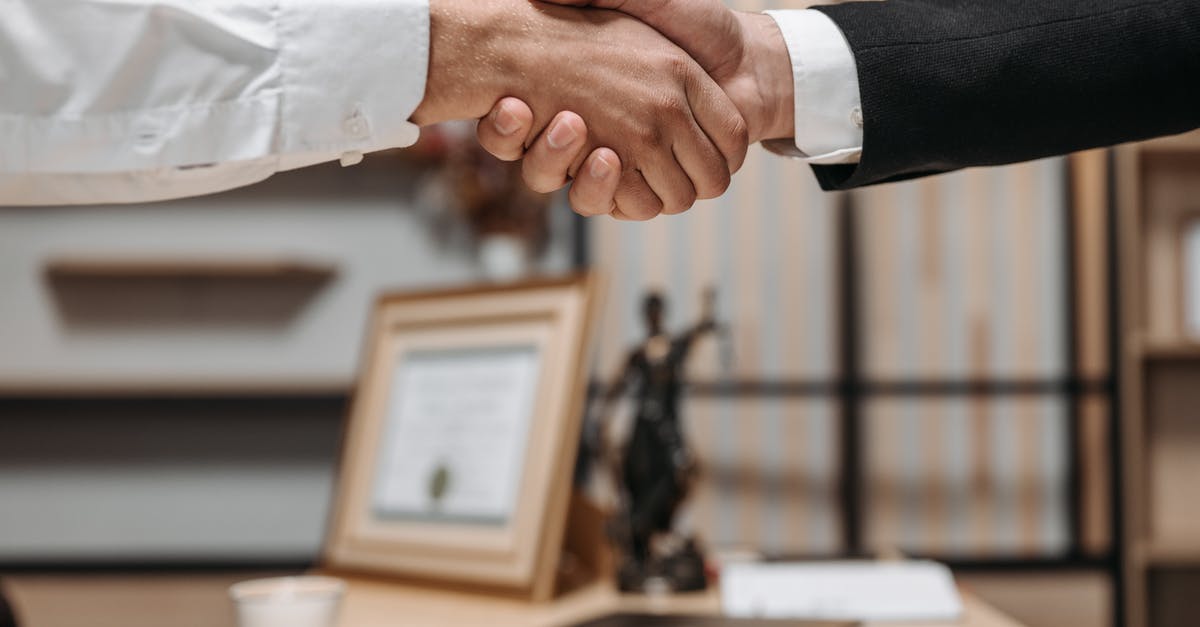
x=856, y=117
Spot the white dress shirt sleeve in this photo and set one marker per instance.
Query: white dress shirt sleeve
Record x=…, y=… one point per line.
x=152, y=99
x=829, y=121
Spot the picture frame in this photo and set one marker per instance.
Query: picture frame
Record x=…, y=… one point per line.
x=1189, y=276
x=460, y=443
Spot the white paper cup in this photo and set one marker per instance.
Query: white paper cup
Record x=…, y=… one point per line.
x=288, y=602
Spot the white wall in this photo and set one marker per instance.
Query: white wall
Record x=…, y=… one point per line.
x=202, y=479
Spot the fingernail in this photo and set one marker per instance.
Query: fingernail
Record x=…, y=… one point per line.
x=561, y=135
x=505, y=121
x=601, y=168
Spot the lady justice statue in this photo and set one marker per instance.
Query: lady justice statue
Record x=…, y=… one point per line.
x=656, y=468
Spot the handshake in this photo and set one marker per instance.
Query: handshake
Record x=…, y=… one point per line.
x=647, y=105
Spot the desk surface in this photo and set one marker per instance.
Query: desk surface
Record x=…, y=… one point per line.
x=200, y=601
x=377, y=605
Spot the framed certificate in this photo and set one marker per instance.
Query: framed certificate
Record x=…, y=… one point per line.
x=459, y=447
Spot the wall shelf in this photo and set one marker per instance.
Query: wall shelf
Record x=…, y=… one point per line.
x=1157, y=184
x=107, y=267
x=1181, y=552
x=1164, y=351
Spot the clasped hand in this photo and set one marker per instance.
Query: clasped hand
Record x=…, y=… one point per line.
x=646, y=110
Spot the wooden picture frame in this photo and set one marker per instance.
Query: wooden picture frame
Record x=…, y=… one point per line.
x=432, y=361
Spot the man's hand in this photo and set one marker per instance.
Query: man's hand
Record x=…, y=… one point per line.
x=673, y=134
x=744, y=52
x=505, y=131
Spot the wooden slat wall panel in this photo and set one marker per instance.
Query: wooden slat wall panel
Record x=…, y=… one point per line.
x=964, y=275
x=967, y=477
x=769, y=464
x=1089, y=188
x=1095, y=463
x=768, y=474
x=768, y=245
x=962, y=279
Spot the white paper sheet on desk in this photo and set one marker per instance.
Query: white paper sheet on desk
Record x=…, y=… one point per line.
x=841, y=591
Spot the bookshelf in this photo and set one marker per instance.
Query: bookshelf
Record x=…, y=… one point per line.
x=1157, y=193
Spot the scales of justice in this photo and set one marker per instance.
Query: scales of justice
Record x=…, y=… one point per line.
x=655, y=468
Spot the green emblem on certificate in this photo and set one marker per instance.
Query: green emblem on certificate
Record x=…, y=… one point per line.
x=439, y=484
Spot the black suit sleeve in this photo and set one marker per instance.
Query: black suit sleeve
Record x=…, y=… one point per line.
x=949, y=84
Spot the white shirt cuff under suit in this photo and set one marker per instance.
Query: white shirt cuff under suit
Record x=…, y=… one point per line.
x=829, y=120
x=183, y=97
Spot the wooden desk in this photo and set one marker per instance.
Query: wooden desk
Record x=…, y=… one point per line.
x=201, y=601
x=380, y=605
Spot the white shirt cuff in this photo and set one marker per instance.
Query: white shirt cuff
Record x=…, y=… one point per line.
x=353, y=72
x=828, y=104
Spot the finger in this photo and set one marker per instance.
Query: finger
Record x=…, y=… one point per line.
x=506, y=129
x=702, y=162
x=668, y=179
x=719, y=118
x=547, y=165
x=595, y=188
x=635, y=200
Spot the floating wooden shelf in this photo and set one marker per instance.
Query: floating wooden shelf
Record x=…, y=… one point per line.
x=1162, y=351
x=183, y=388
x=257, y=268
x=1172, y=552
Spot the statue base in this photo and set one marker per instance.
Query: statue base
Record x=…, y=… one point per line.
x=682, y=570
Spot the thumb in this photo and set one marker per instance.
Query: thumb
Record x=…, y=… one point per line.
x=705, y=29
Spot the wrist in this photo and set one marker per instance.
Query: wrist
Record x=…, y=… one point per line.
x=462, y=81
x=771, y=103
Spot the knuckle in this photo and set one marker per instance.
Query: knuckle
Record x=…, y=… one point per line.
x=672, y=107
x=642, y=210
x=716, y=183
x=597, y=209
x=681, y=205
x=683, y=202
x=736, y=144
x=652, y=137
x=739, y=130
x=538, y=180
x=493, y=146
x=678, y=65
x=504, y=153
x=588, y=202
x=541, y=187
x=583, y=208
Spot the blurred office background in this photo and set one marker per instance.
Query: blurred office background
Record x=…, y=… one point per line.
x=935, y=368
